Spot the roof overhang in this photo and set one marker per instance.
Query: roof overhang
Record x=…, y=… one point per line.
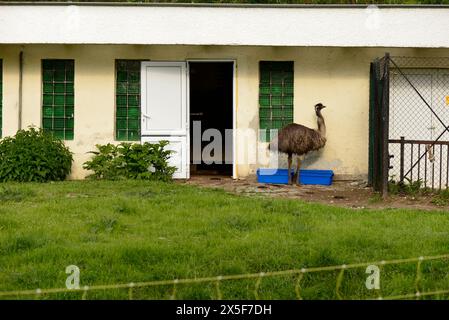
x=355, y=26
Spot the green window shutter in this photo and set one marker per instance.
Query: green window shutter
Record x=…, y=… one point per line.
x=58, y=78
x=127, y=100
x=275, y=96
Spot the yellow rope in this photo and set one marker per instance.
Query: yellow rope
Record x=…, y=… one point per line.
x=257, y=286
x=298, y=286
x=339, y=281
x=418, y=276
x=217, y=288
x=230, y=277
x=415, y=295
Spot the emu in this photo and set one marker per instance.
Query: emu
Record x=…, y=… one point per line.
x=300, y=140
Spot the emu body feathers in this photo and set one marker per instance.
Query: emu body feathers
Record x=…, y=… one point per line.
x=298, y=139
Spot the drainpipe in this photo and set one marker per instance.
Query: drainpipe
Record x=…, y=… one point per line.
x=20, y=89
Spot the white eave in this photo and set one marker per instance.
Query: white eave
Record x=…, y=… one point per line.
x=355, y=26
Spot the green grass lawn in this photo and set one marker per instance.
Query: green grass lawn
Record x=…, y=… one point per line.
x=120, y=232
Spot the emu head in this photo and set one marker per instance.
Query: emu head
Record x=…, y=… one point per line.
x=318, y=107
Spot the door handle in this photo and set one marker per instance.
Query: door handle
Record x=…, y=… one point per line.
x=145, y=116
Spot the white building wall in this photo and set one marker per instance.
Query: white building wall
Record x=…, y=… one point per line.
x=225, y=25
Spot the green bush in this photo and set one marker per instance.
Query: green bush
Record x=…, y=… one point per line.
x=411, y=188
x=441, y=198
x=148, y=161
x=34, y=155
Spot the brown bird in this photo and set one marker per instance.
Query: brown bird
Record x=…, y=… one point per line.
x=299, y=140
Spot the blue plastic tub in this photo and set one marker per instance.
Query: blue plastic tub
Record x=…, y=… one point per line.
x=274, y=176
x=280, y=176
x=322, y=177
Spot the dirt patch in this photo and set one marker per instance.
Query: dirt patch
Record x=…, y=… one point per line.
x=349, y=194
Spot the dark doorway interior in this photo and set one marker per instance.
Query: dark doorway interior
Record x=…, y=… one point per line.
x=211, y=103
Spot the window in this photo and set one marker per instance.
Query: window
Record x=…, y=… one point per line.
x=58, y=97
x=1, y=97
x=127, y=100
x=275, y=96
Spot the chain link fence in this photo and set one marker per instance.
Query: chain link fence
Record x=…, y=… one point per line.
x=418, y=121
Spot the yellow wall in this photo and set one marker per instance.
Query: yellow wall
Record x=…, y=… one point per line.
x=337, y=77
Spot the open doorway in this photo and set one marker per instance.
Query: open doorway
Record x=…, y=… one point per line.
x=211, y=103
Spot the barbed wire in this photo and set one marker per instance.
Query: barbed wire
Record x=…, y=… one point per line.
x=299, y=273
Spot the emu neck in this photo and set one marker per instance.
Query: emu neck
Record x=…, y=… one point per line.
x=321, y=124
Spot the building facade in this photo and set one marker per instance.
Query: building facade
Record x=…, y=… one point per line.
x=96, y=74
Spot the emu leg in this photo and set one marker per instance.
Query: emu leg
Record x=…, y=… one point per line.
x=289, y=167
x=298, y=165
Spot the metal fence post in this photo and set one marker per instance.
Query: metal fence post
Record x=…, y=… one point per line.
x=385, y=125
x=401, y=169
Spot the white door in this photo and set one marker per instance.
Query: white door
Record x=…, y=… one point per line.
x=164, y=110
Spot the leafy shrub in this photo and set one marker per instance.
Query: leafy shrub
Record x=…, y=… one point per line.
x=412, y=188
x=393, y=187
x=441, y=198
x=148, y=161
x=34, y=155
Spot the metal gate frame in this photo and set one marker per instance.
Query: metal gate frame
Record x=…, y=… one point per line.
x=379, y=124
x=379, y=157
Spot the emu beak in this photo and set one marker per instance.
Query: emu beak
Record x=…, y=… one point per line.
x=323, y=107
